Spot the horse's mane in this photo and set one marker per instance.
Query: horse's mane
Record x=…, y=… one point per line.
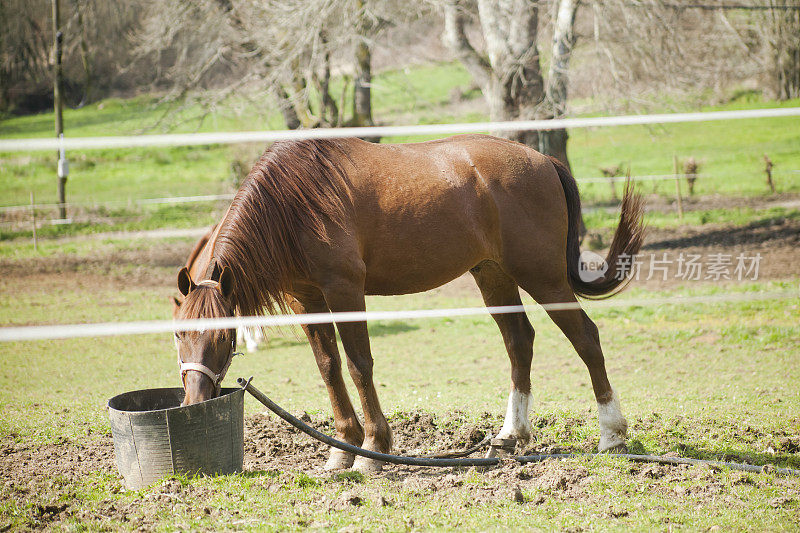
x=294, y=189
x=204, y=302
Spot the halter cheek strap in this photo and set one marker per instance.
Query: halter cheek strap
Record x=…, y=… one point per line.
x=216, y=379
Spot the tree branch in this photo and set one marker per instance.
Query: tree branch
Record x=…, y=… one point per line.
x=455, y=38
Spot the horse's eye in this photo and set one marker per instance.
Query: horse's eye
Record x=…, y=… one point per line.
x=177, y=336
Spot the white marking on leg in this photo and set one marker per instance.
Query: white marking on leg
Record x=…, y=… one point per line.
x=249, y=339
x=517, y=424
x=339, y=459
x=613, y=426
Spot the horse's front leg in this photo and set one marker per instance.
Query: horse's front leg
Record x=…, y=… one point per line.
x=322, y=338
x=355, y=339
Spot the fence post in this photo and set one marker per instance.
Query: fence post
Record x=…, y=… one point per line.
x=768, y=169
x=677, y=185
x=59, y=106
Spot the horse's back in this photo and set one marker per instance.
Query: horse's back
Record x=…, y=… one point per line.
x=424, y=213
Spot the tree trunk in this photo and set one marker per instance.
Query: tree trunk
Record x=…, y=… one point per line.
x=509, y=76
x=554, y=142
x=328, y=110
x=362, y=97
x=788, y=63
x=287, y=109
x=85, y=59
x=782, y=35
x=362, y=82
x=362, y=86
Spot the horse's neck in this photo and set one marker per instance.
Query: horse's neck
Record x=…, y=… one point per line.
x=204, y=263
x=198, y=248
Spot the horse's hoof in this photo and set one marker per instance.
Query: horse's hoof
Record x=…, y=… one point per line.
x=503, y=446
x=617, y=448
x=367, y=466
x=339, y=460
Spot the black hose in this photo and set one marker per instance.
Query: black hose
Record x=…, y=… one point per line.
x=330, y=441
x=489, y=461
x=461, y=453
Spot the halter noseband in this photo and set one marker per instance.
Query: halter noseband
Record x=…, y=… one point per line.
x=216, y=379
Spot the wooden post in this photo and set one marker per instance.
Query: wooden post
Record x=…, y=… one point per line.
x=690, y=170
x=33, y=220
x=59, y=108
x=768, y=170
x=677, y=186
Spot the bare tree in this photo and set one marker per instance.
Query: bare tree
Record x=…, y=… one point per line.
x=780, y=27
x=649, y=48
x=288, y=49
x=554, y=142
x=95, y=51
x=509, y=74
x=25, y=44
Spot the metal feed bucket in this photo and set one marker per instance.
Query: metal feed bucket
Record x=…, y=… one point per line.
x=154, y=437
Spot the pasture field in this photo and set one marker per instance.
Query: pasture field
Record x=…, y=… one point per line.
x=712, y=381
x=715, y=381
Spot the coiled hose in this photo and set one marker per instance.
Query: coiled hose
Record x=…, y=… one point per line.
x=487, y=461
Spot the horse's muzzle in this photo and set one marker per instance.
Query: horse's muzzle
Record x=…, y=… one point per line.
x=198, y=387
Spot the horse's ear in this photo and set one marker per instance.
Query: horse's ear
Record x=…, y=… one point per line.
x=226, y=282
x=216, y=272
x=185, y=283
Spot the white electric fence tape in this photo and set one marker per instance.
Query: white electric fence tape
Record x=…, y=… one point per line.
x=27, y=333
x=193, y=139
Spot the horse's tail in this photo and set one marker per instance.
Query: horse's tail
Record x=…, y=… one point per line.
x=624, y=246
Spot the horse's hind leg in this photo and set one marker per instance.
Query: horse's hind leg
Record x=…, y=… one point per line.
x=322, y=338
x=498, y=289
x=584, y=336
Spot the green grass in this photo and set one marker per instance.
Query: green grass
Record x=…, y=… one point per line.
x=740, y=216
x=708, y=381
x=730, y=151
x=126, y=219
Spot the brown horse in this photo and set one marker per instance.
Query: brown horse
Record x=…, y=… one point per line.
x=317, y=225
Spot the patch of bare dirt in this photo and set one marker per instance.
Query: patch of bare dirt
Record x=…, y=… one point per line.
x=768, y=234
x=657, y=202
x=25, y=464
x=149, y=265
x=767, y=250
x=43, y=478
x=270, y=443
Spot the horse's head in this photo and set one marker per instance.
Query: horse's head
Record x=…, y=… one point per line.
x=204, y=356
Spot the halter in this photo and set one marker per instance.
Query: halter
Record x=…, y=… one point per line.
x=216, y=379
